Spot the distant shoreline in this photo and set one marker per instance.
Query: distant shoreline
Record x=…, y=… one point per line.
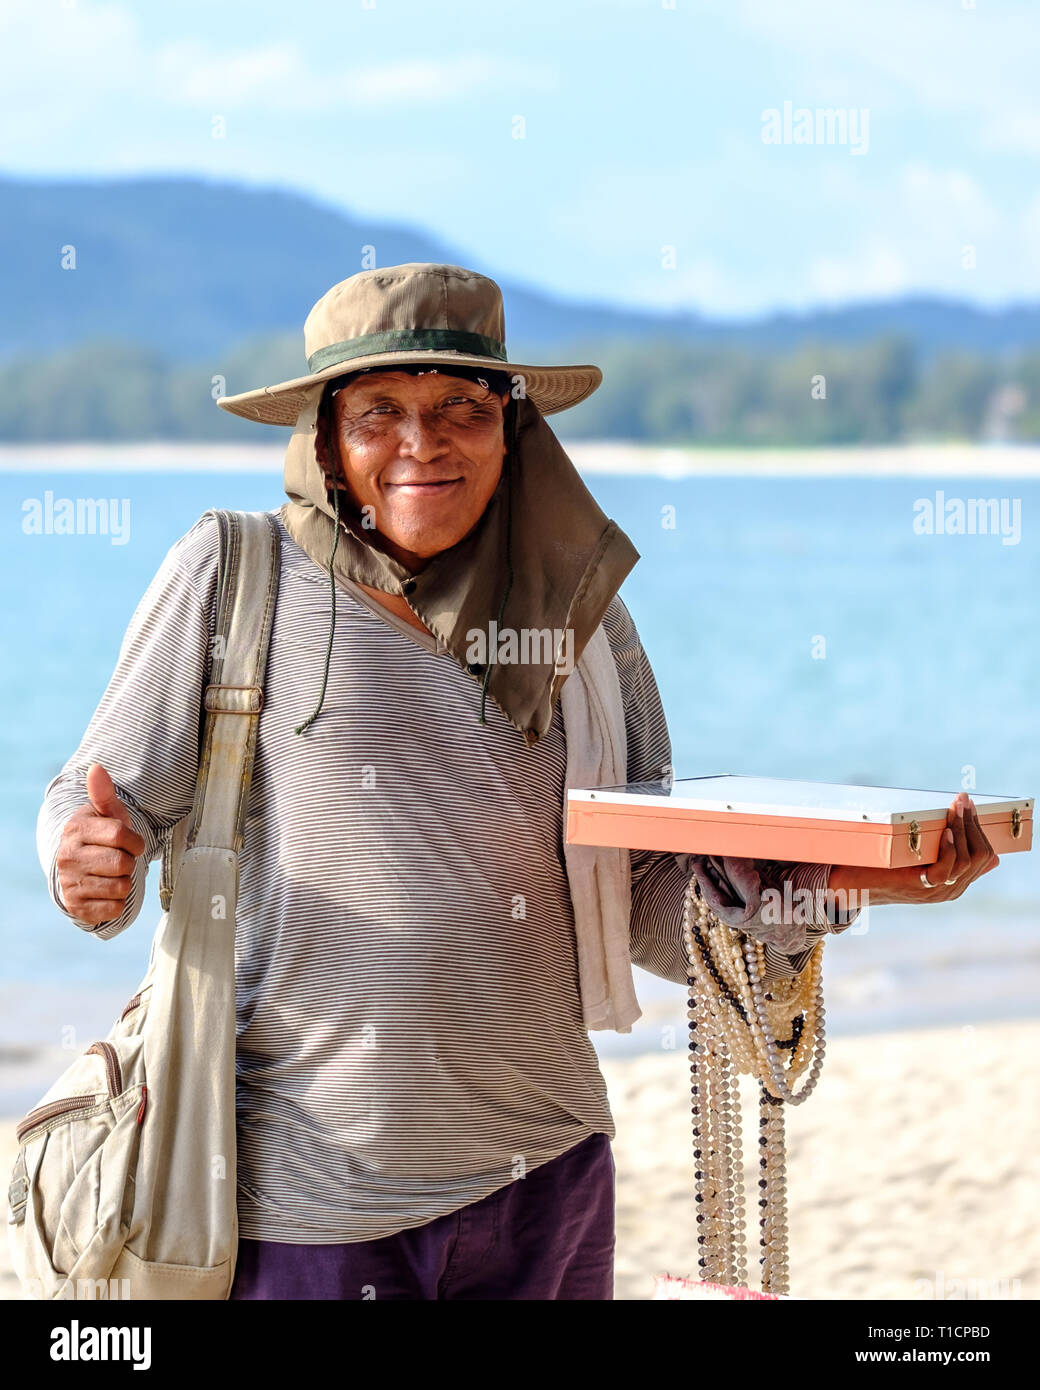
x=591, y=457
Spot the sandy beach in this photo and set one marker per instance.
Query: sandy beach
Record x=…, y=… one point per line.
x=912, y=1166
x=592, y=457
x=914, y=1169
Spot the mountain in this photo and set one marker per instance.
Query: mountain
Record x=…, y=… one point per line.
x=183, y=265
x=191, y=268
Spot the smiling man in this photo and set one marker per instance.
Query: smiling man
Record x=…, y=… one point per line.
x=423, y=498
x=419, y=957
x=426, y=496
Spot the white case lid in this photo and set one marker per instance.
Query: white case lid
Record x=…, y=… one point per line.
x=780, y=796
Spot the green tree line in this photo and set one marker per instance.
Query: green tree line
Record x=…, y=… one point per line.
x=661, y=392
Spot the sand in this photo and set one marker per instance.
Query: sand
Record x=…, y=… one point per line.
x=914, y=1165
x=914, y=1168
x=591, y=457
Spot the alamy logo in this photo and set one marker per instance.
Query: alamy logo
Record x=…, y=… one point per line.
x=77, y=516
x=820, y=125
x=76, y=1343
x=526, y=646
x=806, y=906
x=969, y=516
x=945, y=1290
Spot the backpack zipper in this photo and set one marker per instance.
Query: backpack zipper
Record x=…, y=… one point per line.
x=130, y=1007
x=43, y=1113
x=113, y=1071
x=113, y=1075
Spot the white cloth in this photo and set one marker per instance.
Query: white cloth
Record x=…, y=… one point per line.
x=600, y=879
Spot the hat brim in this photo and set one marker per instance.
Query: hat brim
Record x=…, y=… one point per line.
x=550, y=388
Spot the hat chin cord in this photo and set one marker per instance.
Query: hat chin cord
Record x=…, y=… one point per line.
x=332, y=620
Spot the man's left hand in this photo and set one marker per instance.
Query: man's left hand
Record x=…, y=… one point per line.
x=965, y=855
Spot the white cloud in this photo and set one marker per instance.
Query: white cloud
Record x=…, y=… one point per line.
x=1012, y=133
x=704, y=285
x=875, y=273
x=278, y=78
x=912, y=233
x=943, y=197
x=1031, y=217
x=190, y=74
x=62, y=62
x=450, y=80
x=937, y=54
x=835, y=233
x=66, y=57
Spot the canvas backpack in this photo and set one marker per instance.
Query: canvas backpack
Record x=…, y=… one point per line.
x=125, y=1181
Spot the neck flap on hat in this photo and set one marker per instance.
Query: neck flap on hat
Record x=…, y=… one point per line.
x=543, y=545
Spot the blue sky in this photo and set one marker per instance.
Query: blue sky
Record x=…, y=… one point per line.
x=643, y=130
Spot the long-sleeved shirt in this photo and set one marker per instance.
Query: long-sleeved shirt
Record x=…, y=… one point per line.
x=409, y=1023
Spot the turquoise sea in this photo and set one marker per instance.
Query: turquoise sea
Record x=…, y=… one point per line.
x=798, y=626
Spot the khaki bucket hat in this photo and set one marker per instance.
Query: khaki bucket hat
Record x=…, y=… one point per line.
x=418, y=312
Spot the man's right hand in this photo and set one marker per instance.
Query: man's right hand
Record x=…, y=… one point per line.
x=96, y=855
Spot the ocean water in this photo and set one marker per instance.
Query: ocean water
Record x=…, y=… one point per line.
x=798, y=627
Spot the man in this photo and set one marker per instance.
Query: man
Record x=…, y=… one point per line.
x=420, y=1109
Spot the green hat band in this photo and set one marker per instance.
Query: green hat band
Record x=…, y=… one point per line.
x=407, y=340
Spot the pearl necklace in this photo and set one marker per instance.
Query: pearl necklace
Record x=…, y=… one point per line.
x=739, y=1026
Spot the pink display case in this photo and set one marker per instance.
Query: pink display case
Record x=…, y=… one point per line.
x=776, y=818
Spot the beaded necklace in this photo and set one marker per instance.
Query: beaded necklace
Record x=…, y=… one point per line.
x=738, y=1026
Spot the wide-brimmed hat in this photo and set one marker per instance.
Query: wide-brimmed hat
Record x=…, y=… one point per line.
x=419, y=312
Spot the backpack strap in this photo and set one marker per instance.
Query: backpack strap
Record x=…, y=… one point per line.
x=250, y=555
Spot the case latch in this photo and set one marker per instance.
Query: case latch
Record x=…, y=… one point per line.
x=915, y=838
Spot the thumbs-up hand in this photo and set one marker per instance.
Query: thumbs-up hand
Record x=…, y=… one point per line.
x=95, y=859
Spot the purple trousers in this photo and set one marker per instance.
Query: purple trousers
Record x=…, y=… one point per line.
x=546, y=1236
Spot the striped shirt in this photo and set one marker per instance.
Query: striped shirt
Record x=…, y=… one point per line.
x=409, y=1019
